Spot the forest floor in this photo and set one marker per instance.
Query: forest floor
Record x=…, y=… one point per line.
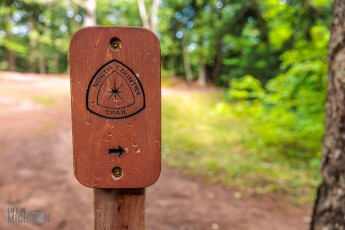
x=36, y=173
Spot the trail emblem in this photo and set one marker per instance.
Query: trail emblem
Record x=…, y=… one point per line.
x=115, y=92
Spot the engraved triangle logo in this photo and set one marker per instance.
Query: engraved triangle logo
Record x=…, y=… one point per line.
x=115, y=92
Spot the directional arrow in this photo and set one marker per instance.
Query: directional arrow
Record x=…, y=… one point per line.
x=120, y=151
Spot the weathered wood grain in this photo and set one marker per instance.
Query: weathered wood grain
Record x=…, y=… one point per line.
x=116, y=107
x=119, y=209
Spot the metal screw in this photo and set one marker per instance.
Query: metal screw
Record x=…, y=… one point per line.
x=117, y=173
x=115, y=44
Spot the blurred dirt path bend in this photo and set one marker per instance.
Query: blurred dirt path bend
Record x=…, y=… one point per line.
x=36, y=173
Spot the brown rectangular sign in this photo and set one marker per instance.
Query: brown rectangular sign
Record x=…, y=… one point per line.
x=116, y=107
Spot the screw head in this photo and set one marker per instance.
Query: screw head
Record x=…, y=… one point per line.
x=115, y=43
x=116, y=173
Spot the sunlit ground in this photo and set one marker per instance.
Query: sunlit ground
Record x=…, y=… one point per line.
x=204, y=135
x=203, y=138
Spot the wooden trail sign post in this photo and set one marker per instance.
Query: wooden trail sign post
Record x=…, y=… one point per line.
x=116, y=120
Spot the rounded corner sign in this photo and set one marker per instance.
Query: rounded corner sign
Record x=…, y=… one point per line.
x=115, y=92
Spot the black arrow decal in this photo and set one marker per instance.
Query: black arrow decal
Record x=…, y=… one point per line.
x=120, y=151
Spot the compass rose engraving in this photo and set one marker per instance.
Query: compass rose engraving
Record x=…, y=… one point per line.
x=115, y=92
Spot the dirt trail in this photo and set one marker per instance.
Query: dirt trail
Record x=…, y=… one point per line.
x=36, y=173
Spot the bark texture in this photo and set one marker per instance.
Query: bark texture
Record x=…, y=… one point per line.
x=329, y=208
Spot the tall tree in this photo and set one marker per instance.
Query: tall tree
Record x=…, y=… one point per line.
x=329, y=209
x=152, y=22
x=186, y=62
x=10, y=56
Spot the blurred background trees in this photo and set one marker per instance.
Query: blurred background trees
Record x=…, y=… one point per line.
x=208, y=41
x=269, y=56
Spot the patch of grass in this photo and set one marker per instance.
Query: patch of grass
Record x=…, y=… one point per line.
x=44, y=100
x=203, y=136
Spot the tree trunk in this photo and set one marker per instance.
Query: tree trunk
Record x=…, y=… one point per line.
x=329, y=208
x=90, y=17
x=143, y=14
x=42, y=64
x=217, y=62
x=154, y=15
x=32, y=61
x=186, y=62
x=55, y=67
x=11, y=61
x=152, y=22
x=202, y=75
x=10, y=56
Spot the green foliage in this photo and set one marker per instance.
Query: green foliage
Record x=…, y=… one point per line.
x=204, y=135
x=245, y=88
x=118, y=13
x=271, y=54
x=14, y=45
x=231, y=38
x=36, y=32
x=286, y=115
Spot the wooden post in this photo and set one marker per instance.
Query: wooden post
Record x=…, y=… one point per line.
x=119, y=209
x=116, y=120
